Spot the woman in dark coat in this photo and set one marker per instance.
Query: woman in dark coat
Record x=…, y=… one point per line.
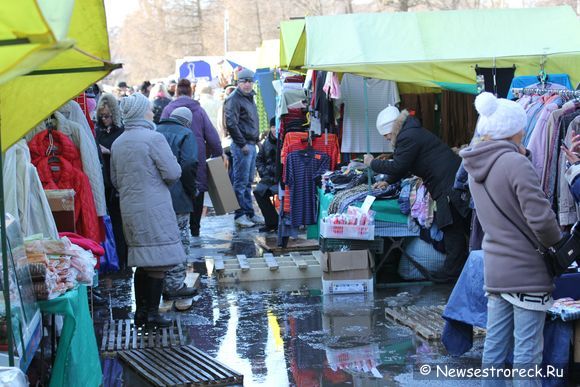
x=419, y=152
x=108, y=129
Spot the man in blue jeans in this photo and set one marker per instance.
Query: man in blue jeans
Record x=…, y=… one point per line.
x=243, y=125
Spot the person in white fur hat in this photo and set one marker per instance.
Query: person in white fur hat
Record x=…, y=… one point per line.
x=514, y=212
x=419, y=152
x=143, y=168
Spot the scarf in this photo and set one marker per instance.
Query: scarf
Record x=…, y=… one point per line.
x=139, y=124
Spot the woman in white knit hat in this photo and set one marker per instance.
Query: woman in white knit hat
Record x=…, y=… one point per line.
x=142, y=169
x=419, y=152
x=513, y=212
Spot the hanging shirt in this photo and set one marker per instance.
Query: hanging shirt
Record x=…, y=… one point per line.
x=380, y=94
x=301, y=171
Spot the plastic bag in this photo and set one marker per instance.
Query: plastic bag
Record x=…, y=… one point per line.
x=109, y=261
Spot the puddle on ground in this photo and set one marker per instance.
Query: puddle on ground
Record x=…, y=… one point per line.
x=287, y=333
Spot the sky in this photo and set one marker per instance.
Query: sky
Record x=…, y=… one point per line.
x=117, y=10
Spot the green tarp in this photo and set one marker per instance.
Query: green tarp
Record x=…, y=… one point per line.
x=49, y=53
x=292, y=44
x=77, y=358
x=441, y=49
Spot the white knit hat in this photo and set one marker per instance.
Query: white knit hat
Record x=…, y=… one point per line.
x=134, y=107
x=386, y=120
x=499, y=118
x=183, y=115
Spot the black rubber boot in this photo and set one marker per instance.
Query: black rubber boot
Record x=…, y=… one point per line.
x=154, y=289
x=183, y=292
x=141, y=295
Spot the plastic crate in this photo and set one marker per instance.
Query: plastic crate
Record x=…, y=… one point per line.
x=345, y=231
x=376, y=246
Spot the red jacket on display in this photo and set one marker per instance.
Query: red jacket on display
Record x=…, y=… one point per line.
x=63, y=175
x=63, y=148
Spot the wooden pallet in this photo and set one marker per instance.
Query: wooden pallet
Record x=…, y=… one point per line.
x=266, y=268
x=121, y=335
x=184, y=365
x=426, y=321
x=271, y=245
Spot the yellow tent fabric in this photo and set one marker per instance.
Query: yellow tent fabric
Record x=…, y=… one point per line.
x=49, y=53
x=441, y=49
x=268, y=54
x=292, y=44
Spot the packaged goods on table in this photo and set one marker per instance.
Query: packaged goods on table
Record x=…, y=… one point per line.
x=354, y=224
x=57, y=266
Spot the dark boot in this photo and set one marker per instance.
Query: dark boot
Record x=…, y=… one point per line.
x=141, y=296
x=154, y=289
x=183, y=292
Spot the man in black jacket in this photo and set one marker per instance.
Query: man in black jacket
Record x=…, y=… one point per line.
x=184, y=146
x=419, y=152
x=268, y=185
x=243, y=125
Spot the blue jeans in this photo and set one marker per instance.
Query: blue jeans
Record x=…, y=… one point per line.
x=244, y=167
x=508, y=327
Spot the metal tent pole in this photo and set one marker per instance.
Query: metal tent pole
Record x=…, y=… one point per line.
x=5, y=277
x=367, y=129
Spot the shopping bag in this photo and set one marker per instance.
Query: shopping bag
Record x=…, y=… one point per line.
x=109, y=261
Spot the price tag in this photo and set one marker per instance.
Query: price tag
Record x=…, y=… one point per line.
x=366, y=206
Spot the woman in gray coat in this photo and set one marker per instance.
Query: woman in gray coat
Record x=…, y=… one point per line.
x=142, y=169
x=512, y=208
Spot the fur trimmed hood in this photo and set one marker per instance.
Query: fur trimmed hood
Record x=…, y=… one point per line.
x=398, y=125
x=111, y=102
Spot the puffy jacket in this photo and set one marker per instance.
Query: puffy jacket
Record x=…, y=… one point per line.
x=208, y=140
x=242, y=120
x=183, y=145
x=512, y=264
x=266, y=161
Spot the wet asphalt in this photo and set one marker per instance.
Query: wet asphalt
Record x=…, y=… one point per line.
x=289, y=334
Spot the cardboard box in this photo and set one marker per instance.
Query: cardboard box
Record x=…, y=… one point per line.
x=62, y=204
x=220, y=187
x=346, y=265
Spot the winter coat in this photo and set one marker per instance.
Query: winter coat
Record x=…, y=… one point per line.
x=159, y=104
x=208, y=140
x=242, y=120
x=69, y=177
x=106, y=139
x=86, y=144
x=184, y=147
x=421, y=153
x=142, y=169
x=266, y=161
x=511, y=263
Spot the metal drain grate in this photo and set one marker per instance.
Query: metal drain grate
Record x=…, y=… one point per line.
x=121, y=335
x=184, y=365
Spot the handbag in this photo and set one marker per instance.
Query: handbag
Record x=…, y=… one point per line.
x=558, y=257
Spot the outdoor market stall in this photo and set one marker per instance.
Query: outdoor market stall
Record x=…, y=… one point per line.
x=413, y=50
x=48, y=56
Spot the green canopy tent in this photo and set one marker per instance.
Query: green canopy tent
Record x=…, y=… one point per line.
x=292, y=44
x=49, y=53
x=441, y=49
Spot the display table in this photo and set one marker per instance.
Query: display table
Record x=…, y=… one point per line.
x=389, y=221
x=467, y=307
x=77, y=357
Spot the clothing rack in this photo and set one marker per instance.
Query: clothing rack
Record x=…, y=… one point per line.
x=540, y=91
